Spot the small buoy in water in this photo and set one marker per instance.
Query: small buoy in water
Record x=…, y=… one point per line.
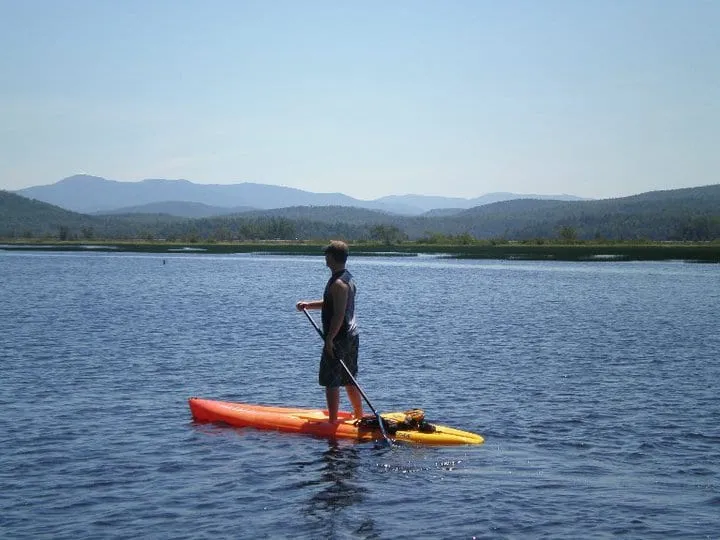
x=163, y=261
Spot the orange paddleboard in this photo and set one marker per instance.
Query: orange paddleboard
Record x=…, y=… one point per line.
x=315, y=422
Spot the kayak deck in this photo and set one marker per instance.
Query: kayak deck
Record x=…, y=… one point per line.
x=315, y=422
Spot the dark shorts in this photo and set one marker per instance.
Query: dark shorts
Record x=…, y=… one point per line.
x=332, y=373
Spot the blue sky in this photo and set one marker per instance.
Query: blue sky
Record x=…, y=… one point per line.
x=592, y=98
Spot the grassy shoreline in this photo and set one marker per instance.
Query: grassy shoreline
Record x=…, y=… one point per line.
x=578, y=251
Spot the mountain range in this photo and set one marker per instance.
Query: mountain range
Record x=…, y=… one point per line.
x=95, y=195
x=680, y=214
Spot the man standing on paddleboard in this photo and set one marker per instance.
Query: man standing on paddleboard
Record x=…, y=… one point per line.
x=342, y=338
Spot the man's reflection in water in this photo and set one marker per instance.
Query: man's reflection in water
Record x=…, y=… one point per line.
x=340, y=490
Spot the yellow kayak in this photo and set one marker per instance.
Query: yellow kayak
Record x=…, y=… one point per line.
x=407, y=426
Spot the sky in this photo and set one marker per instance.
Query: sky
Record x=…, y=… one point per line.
x=594, y=98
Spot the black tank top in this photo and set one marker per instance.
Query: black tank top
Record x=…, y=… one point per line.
x=349, y=326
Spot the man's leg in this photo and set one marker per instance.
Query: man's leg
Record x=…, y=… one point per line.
x=356, y=400
x=332, y=394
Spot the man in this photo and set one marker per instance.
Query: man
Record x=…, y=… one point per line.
x=342, y=338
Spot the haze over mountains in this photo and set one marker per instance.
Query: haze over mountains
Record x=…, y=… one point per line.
x=94, y=195
x=681, y=214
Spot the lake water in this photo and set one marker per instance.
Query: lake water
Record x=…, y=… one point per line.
x=594, y=384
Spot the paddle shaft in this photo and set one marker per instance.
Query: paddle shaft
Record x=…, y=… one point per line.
x=354, y=381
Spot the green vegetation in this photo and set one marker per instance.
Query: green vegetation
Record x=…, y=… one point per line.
x=679, y=224
x=495, y=249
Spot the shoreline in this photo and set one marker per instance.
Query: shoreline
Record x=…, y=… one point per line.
x=579, y=251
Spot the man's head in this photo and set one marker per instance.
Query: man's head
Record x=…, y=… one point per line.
x=338, y=251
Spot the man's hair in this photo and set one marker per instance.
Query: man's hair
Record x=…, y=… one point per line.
x=338, y=250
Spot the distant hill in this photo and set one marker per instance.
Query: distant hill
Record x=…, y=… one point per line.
x=178, y=208
x=20, y=216
x=443, y=212
x=689, y=213
x=92, y=194
x=95, y=195
x=27, y=218
x=692, y=213
x=683, y=214
x=427, y=203
x=327, y=214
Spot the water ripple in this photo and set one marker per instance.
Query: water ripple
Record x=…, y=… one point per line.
x=594, y=386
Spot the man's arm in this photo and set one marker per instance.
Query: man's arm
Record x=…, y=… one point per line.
x=309, y=304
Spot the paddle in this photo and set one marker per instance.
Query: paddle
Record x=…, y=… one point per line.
x=354, y=381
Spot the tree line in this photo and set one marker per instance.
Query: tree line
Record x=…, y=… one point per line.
x=694, y=217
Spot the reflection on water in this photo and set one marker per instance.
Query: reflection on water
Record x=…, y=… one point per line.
x=337, y=476
x=340, y=489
